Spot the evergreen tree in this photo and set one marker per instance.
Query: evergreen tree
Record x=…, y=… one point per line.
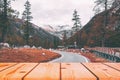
x=5, y=11
x=103, y=5
x=116, y=12
x=27, y=17
x=64, y=37
x=56, y=41
x=4, y=19
x=77, y=24
x=1, y=7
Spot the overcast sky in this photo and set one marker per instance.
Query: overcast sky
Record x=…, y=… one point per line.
x=57, y=12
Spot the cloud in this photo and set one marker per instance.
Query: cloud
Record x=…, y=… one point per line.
x=57, y=12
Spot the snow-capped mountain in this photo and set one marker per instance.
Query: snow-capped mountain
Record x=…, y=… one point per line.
x=58, y=30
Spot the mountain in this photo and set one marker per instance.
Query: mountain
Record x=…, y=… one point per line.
x=92, y=33
x=38, y=36
x=58, y=30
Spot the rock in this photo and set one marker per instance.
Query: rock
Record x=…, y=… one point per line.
x=26, y=46
x=40, y=47
x=33, y=47
x=4, y=45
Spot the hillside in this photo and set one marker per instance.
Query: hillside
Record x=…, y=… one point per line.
x=38, y=36
x=91, y=33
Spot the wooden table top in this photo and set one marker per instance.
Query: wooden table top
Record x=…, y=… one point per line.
x=59, y=71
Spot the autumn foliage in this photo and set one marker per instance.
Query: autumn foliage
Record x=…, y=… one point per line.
x=91, y=34
x=27, y=55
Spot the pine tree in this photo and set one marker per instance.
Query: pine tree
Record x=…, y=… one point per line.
x=4, y=19
x=64, y=37
x=55, y=41
x=103, y=5
x=77, y=25
x=116, y=12
x=1, y=7
x=5, y=10
x=27, y=17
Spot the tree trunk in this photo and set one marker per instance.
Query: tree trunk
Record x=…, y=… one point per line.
x=105, y=24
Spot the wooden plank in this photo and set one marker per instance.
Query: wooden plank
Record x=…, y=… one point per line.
x=103, y=72
x=4, y=66
x=75, y=71
x=16, y=72
x=45, y=71
x=114, y=65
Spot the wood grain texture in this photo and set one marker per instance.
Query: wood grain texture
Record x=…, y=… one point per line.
x=59, y=71
x=75, y=71
x=45, y=71
x=114, y=65
x=16, y=72
x=103, y=72
x=5, y=65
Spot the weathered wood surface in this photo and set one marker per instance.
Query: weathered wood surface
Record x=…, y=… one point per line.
x=59, y=71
